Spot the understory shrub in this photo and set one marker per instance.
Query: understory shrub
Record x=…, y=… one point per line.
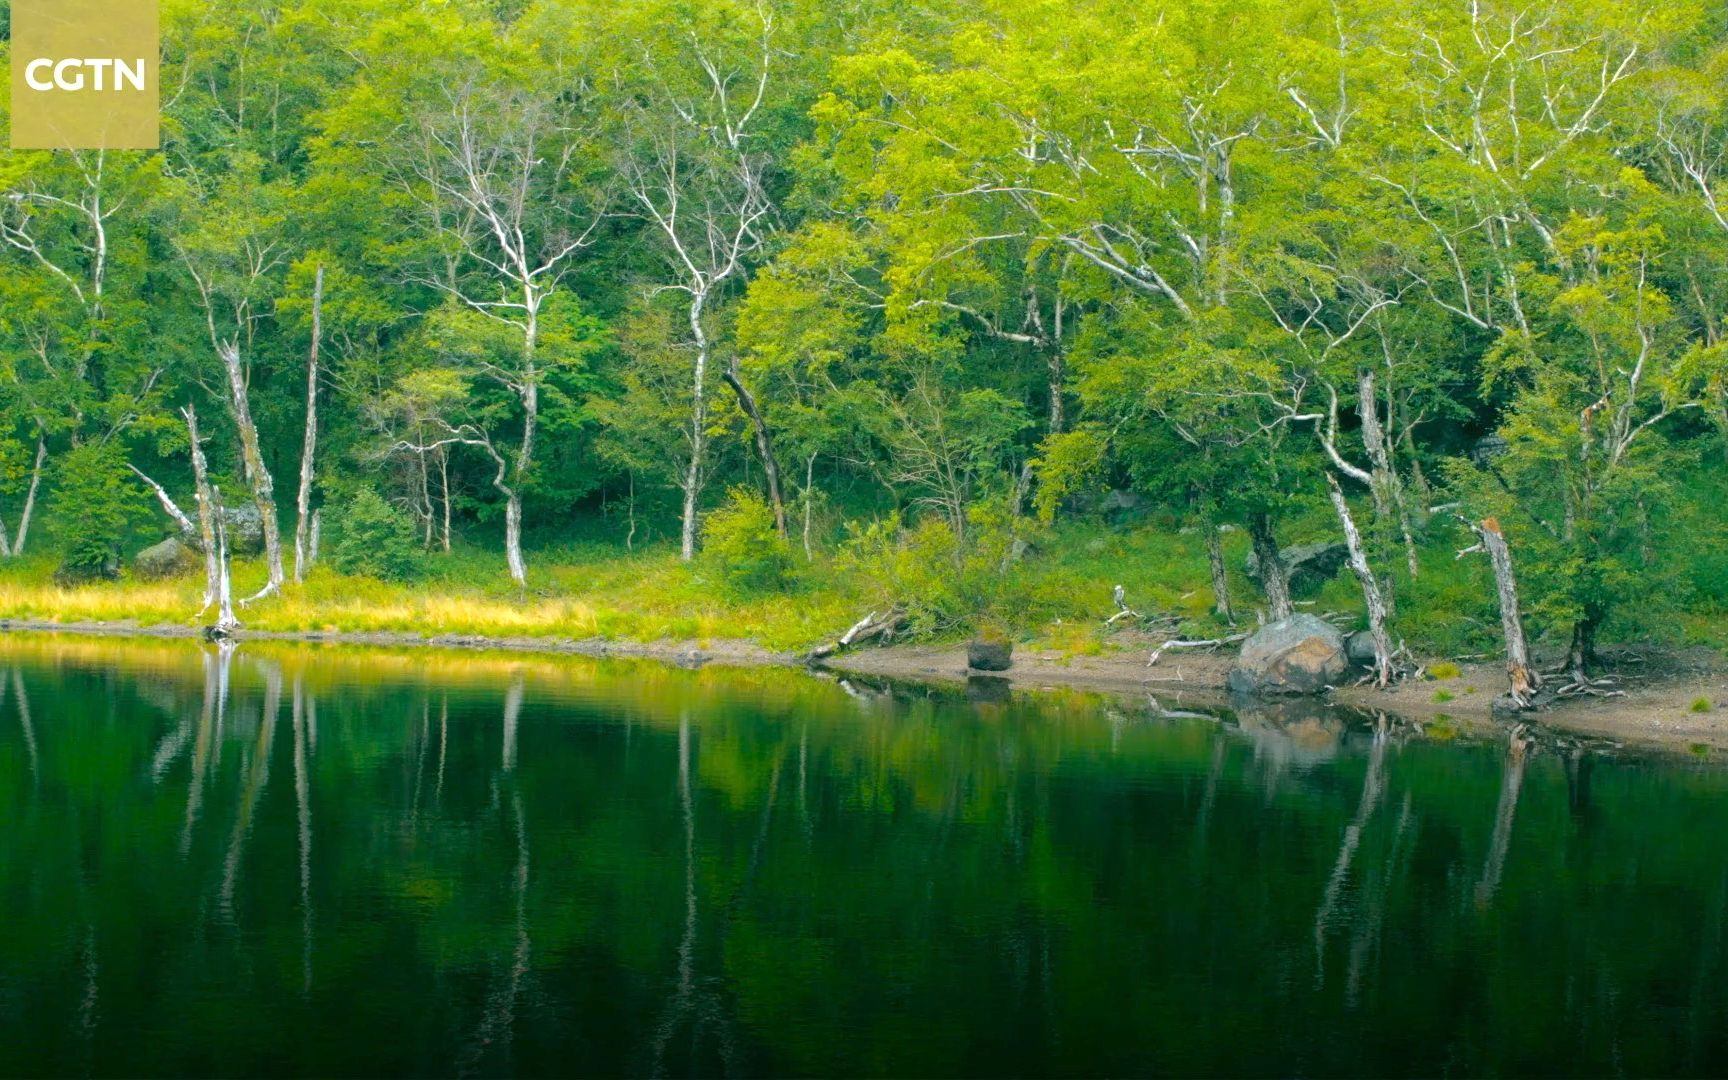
x=740, y=542
x=374, y=538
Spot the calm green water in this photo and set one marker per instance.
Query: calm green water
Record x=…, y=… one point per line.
x=327, y=862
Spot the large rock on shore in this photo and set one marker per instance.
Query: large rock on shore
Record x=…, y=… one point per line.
x=985, y=655
x=1306, y=566
x=170, y=558
x=1303, y=654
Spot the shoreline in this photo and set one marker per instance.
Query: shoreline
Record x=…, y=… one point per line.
x=1655, y=711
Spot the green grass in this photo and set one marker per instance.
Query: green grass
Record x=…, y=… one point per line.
x=1700, y=705
x=1054, y=600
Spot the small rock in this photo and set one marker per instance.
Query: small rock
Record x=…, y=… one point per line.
x=1303, y=654
x=990, y=655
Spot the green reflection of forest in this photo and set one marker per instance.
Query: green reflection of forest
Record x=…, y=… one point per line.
x=303, y=859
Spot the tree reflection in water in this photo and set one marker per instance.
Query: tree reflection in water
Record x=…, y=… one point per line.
x=504, y=864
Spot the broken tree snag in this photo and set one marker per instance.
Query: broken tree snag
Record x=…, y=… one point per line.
x=1524, y=678
x=206, y=511
x=1371, y=597
x=226, y=621
x=303, y=503
x=1272, y=575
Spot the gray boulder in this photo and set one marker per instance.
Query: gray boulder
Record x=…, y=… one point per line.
x=170, y=558
x=990, y=655
x=1303, y=654
x=1306, y=566
x=1359, y=647
x=245, y=527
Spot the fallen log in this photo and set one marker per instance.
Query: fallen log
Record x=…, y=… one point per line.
x=869, y=628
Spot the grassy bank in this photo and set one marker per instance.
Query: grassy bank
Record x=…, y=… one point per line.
x=1055, y=598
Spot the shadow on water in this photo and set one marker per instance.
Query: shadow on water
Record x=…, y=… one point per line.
x=302, y=860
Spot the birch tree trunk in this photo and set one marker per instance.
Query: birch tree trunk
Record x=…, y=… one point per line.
x=257, y=473
x=206, y=512
x=1370, y=587
x=692, y=484
x=1272, y=577
x=303, y=501
x=529, y=392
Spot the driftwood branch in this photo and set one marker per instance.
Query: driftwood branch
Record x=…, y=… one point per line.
x=1182, y=643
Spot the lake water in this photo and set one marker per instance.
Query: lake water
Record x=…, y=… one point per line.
x=304, y=860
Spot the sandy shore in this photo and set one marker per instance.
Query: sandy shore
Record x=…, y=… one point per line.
x=1656, y=705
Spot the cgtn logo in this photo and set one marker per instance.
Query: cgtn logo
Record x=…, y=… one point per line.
x=45, y=74
x=84, y=75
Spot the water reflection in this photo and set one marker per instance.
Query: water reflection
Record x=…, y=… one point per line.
x=490, y=864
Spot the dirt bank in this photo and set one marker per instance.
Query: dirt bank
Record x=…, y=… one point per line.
x=1658, y=700
x=1656, y=703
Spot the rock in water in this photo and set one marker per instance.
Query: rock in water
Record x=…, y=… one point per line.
x=990, y=655
x=170, y=558
x=1303, y=654
x=1307, y=566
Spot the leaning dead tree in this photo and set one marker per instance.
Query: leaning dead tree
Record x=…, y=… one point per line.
x=1524, y=678
x=1371, y=596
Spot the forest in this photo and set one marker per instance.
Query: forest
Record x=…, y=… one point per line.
x=718, y=318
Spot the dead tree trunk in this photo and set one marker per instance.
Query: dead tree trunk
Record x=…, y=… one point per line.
x=1272, y=576
x=206, y=512
x=226, y=620
x=257, y=473
x=764, y=443
x=1370, y=587
x=1389, y=490
x=1524, y=678
x=1215, y=561
x=303, y=502
x=30, y=495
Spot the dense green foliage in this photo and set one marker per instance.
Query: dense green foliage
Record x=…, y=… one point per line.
x=926, y=281
x=374, y=538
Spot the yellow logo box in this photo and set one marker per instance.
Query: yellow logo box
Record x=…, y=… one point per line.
x=85, y=75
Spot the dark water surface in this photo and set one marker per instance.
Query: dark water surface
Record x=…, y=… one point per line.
x=306, y=861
